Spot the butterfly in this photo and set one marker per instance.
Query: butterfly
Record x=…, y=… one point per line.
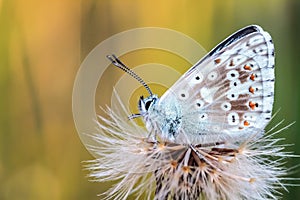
x=228, y=94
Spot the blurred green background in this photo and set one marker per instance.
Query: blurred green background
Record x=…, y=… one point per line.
x=42, y=45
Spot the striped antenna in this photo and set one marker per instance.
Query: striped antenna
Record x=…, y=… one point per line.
x=116, y=62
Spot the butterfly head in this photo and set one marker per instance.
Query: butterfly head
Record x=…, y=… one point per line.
x=145, y=104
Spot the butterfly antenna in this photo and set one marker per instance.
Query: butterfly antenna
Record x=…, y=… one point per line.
x=116, y=62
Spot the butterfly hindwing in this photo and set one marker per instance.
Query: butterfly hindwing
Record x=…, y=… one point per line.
x=230, y=91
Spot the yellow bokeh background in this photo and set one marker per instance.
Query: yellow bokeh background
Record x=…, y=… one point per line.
x=42, y=44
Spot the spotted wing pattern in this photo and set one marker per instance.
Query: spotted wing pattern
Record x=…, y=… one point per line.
x=228, y=93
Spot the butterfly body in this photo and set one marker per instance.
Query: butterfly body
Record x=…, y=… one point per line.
x=227, y=94
x=164, y=118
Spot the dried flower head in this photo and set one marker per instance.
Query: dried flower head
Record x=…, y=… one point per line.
x=150, y=169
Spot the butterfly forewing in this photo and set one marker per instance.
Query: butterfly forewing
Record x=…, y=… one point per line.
x=229, y=92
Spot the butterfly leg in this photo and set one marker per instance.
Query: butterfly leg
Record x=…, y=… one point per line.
x=133, y=116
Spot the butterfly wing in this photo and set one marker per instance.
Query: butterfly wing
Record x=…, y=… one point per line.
x=228, y=93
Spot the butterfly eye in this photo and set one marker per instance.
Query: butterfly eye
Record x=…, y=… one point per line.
x=148, y=104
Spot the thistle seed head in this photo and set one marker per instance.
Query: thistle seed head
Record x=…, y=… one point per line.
x=151, y=169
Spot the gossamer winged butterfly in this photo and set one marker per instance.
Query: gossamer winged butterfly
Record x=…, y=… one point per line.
x=226, y=95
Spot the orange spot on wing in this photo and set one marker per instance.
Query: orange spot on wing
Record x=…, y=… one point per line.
x=246, y=123
x=252, y=77
x=247, y=67
x=251, y=89
x=252, y=105
x=218, y=60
